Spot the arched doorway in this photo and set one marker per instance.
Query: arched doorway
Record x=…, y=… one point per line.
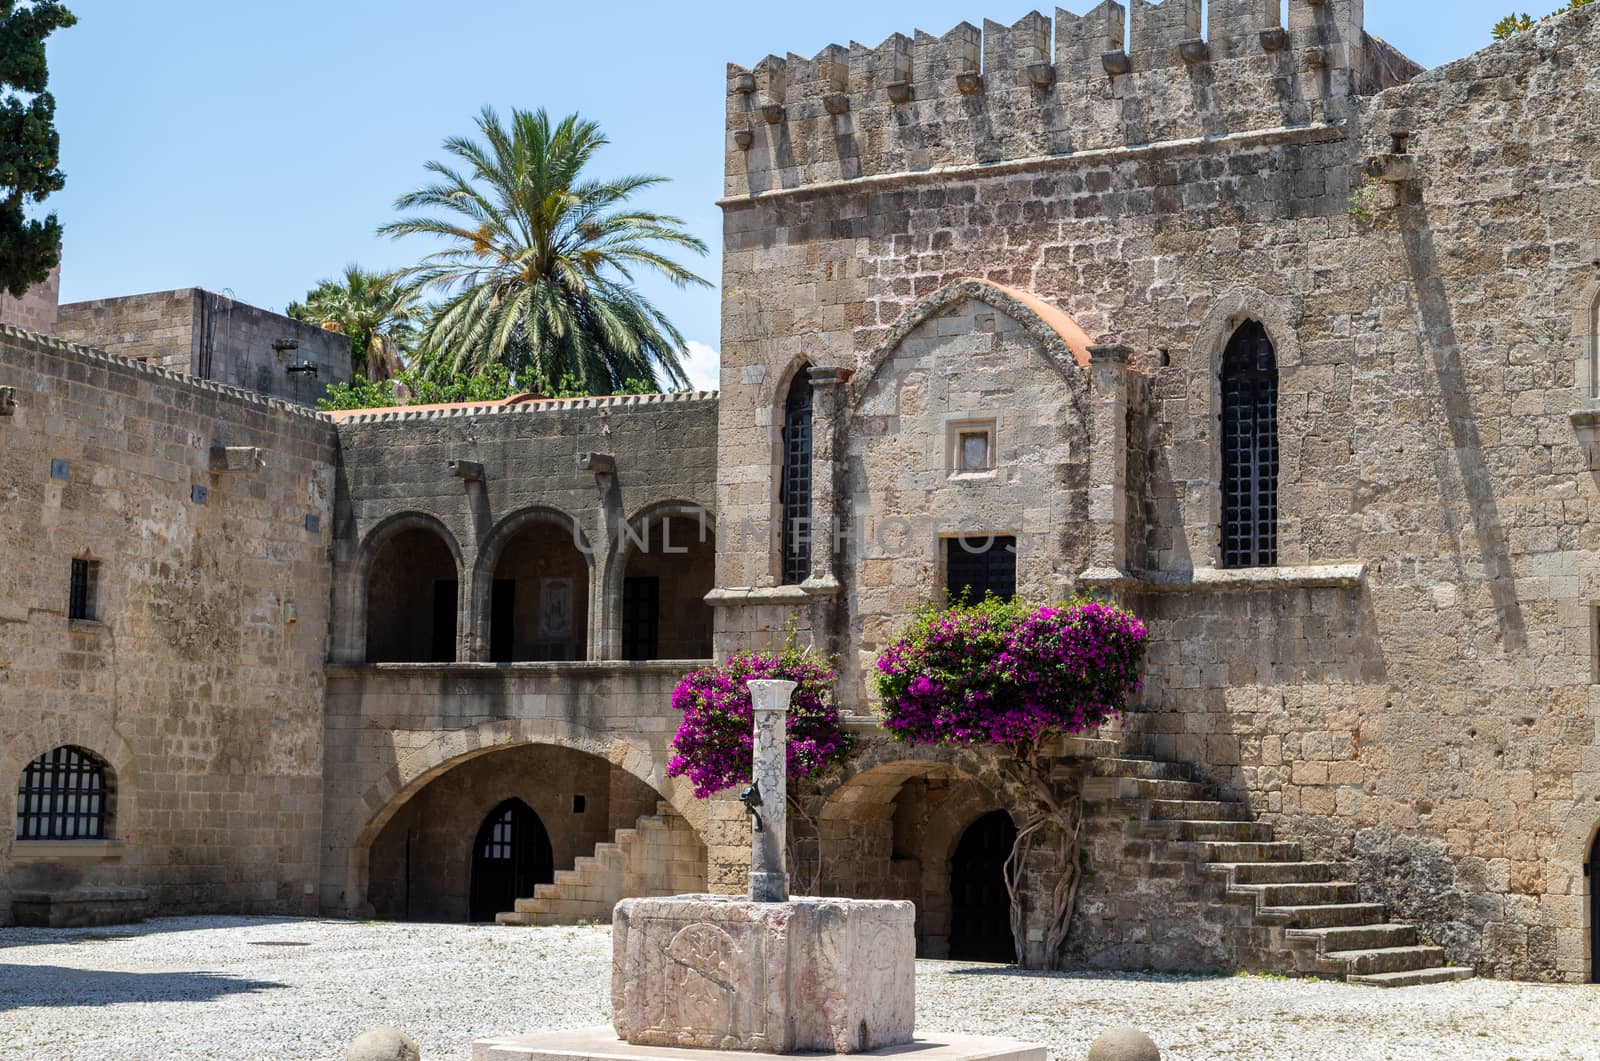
x=1591, y=870
x=510, y=855
x=980, y=909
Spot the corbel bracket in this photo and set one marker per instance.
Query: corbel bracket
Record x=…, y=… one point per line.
x=237, y=459
x=468, y=471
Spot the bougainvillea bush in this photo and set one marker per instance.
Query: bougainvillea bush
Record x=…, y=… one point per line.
x=713, y=746
x=1008, y=672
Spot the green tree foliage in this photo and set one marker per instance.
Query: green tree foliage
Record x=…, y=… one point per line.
x=1515, y=23
x=415, y=387
x=537, y=260
x=30, y=148
x=379, y=314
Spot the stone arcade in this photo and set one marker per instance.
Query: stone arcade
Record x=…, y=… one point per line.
x=1281, y=342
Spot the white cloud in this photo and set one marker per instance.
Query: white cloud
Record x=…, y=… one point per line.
x=703, y=365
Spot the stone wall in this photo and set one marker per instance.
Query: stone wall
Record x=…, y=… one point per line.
x=213, y=337
x=1411, y=686
x=36, y=310
x=197, y=677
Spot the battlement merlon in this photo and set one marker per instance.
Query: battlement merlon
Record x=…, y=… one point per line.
x=1116, y=77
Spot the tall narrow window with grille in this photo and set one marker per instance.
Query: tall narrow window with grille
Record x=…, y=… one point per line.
x=81, y=590
x=794, y=491
x=63, y=796
x=1250, y=449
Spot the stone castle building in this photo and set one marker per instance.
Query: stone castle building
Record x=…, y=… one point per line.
x=1255, y=327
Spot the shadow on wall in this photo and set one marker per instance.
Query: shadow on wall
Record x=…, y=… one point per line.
x=29, y=986
x=1437, y=325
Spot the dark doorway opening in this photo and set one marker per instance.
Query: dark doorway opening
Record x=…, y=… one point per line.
x=980, y=909
x=502, y=620
x=510, y=856
x=1591, y=870
x=641, y=616
x=443, y=648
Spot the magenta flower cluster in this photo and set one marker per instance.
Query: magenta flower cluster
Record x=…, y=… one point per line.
x=713, y=745
x=1008, y=673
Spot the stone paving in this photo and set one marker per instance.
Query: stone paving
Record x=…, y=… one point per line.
x=238, y=988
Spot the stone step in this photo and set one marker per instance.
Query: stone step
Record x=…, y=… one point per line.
x=1138, y=788
x=1324, y=915
x=514, y=918
x=1175, y=829
x=1198, y=810
x=1415, y=977
x=1356, y=937
x=1274, y=872
x=1242, y=851
x=1070, y=747
x=1386, y=959
x=1150, y=769
x=1299, y=894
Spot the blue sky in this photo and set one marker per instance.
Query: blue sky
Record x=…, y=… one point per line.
x=254, y=147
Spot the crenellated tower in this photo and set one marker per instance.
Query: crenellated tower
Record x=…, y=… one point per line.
x=1113, y=77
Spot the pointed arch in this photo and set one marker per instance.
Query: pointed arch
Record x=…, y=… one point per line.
x=1065, y=344
x=1249, y=385
x=1586, y=329
x=795, y=481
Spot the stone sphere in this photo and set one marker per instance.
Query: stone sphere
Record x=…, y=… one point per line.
x=383, y=1044
x=1123, y=1044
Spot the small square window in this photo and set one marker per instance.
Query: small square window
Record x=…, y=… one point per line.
x=970, y=447
x=85, y=583
x=974, y=451
x=579, y=804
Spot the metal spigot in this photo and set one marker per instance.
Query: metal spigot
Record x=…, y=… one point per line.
x=751, y=798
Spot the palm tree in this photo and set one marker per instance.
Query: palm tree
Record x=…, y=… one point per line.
x=538, y=260
x=377, y=312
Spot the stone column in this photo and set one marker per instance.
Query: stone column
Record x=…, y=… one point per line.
x=1108, y=458
x=827, y=398
x=769, y=878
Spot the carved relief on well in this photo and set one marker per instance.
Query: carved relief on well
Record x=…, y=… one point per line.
x=703, y=967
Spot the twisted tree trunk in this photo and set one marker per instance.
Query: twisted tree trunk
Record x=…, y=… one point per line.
x=1054, y=824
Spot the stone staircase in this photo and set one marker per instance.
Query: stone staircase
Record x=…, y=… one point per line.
x=659, y=855
x=1312, y=910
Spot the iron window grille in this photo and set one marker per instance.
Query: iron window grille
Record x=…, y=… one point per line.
x=977, y=566
x=80, y=597
x=501, y=841
x=794, y=492
x=62, y=797
x=1249, y=450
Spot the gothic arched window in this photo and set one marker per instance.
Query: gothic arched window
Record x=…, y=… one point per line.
x=794, y=490
x=1249, y=449
x=63, y=796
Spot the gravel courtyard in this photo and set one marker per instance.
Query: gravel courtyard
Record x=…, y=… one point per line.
x=234, y=988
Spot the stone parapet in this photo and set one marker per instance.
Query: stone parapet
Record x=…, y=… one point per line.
x=1117, y=76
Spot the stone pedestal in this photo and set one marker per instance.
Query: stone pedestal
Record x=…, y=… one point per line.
x=829, y=975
